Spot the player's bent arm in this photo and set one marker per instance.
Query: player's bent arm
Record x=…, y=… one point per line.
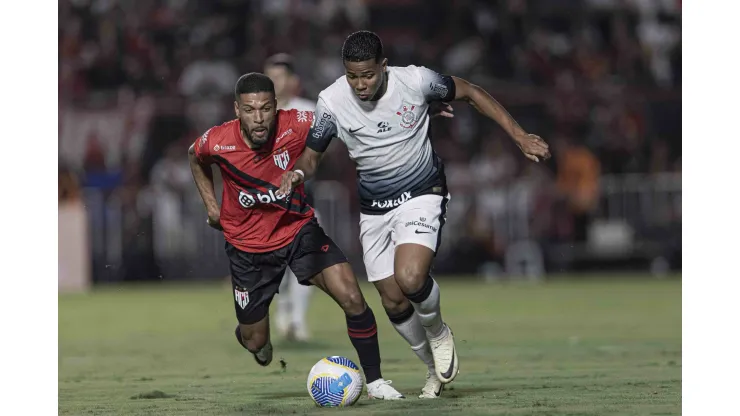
x=322, y=131
x=303, y=170
x=488, y=106
x=532, y=145
x=203, y=176
x=308, y=163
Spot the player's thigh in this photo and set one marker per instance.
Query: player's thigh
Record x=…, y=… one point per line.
x=417, y=230
x=377, y=246
x=255, y=278
x=317, y=260
x=311, y=252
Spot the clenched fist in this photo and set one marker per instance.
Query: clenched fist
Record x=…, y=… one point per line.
x=214, y=220
x=533, y=147
x=289, y=181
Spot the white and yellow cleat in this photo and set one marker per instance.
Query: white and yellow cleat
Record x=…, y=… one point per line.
x=433, y=387
x=381, y=389
x=445, y=356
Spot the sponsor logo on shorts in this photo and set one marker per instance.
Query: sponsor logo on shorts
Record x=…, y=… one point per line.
x=241, y=296
x=392, y=203
x=248, y=200
x=420, y=224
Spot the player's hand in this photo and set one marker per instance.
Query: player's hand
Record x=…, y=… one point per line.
x=214, y=221
x=288, y=182
x=439, y=109
x=533, y=147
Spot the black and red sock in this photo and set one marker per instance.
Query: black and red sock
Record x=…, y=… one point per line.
x=363, y=332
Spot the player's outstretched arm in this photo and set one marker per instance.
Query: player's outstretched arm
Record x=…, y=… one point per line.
x=203, y=176
x=533, y=147
x=304, y=169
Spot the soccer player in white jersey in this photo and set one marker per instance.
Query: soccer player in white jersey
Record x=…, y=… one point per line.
x=380, y=113
x=293, y=299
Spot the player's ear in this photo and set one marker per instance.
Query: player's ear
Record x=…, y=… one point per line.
x=236, y=109
x=384, y=64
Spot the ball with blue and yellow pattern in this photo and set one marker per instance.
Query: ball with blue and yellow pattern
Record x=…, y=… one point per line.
x=335, y=382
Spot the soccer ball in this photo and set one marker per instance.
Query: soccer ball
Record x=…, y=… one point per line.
x=335, y=381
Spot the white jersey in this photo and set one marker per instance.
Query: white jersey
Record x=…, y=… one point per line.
x=299, y=103
x=388, y=139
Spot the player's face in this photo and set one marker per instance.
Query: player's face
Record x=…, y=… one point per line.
x=256, y=113
x=365, y=77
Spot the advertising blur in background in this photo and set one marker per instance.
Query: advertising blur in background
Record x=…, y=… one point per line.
x=599, y=80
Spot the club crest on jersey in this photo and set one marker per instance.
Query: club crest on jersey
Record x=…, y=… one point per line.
x=241, y=296
x=408, y=118
x=282, y=159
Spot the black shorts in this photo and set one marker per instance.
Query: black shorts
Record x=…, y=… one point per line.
x=256, y=277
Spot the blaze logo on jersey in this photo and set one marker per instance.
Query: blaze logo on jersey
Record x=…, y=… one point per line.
x=217, y=148
x=282, y=159
x=241, y=296
x=248, y=200
x=408, y=118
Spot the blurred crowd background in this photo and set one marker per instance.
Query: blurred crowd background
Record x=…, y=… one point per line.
x=600, y=80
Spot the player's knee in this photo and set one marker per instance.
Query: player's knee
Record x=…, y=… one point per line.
x=352, y=302
x=394, y=305
x=411, y=277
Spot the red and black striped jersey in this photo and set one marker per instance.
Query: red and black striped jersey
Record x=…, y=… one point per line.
x=254, y=219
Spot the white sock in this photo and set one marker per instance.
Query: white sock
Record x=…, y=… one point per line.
x=429, y=313
x=412, y=331
x=299, y=296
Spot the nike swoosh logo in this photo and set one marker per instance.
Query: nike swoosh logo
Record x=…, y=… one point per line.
x=356, y=130
x=423, y=232
x=448, y=373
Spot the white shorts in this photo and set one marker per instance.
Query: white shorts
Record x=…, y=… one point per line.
x=418, y=221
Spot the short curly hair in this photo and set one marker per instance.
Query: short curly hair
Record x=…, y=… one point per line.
x=362, y=46
x=253, y=82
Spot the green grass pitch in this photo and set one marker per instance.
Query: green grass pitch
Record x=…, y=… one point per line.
x=596, y=347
